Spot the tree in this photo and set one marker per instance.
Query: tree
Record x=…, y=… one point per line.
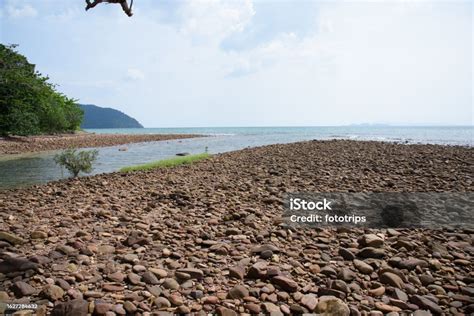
x=29, y=104
x=76, y=162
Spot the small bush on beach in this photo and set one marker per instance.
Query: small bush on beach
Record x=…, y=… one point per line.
x=167, y=163
x=76, y=162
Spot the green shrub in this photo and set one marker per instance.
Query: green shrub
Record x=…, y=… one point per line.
x=167, y=162
x=76, y=162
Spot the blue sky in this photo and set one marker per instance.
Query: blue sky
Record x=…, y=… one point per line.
x=256, y=63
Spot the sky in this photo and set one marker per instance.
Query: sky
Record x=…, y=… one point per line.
x=195, y=63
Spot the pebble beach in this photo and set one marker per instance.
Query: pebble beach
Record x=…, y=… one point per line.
x=209, y=237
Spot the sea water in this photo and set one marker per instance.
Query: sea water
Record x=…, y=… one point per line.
x=27, y=169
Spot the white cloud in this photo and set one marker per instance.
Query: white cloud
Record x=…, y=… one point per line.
x=25, y=11
x=135, y=74
x=215, y=19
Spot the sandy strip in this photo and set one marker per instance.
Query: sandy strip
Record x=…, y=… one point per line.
x=20, y=145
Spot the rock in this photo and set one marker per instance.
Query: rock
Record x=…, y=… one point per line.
x=160, y=273
x=363, y=267
x=21, y=289
x=176, y=300
x=150, y=278
x=9, y=265
x=237, y=272
x=223, y=311
x=371, y=240
x=38, y=234
x=346, y=254
x=258, y=270
x=371, y=252
x=101, y=307
x=270, y=308
x=162, y=302
x=400, y=295
x=183, y=154
x=328, y=271
x=4, y=296
x=129, y=307
x=116, y=277
x=285, y=283
x=134, y=278
x=211, y=300
x=52, y=292
x=426, y=303
x=266, y=247
x=194, y=273
x=67, y=250
x=386, y=308
x=11, y=238
x=109, y=287
x=426, y=279
x=253, y=308
x=332, y=306
x=170, y=284
x=346, y=274
x=391, y=279
x=76, y=307
x=309, y=301
x=238, y=292
x=106, y=249
x=411, y=264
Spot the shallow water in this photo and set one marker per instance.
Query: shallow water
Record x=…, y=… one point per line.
x=21, y=170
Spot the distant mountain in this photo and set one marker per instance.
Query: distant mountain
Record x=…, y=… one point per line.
x=97, y=117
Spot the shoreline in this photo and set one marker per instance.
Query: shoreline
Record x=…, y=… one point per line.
x=209, y=237
x=34, y=144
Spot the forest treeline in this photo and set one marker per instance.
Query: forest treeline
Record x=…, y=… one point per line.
x=29, y=104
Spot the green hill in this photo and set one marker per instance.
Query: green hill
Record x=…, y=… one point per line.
x=97, y=117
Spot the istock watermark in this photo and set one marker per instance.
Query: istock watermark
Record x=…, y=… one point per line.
x=381, y=210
